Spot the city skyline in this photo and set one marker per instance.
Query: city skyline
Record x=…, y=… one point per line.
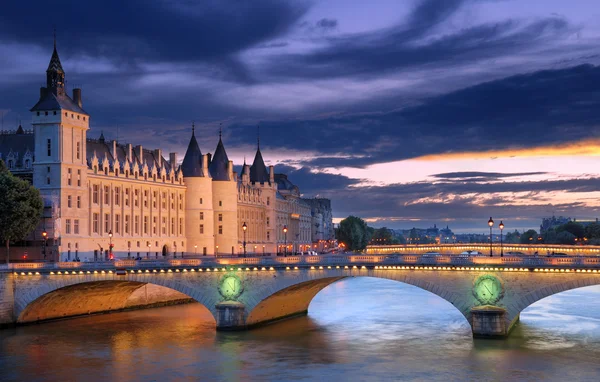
x=406, y=115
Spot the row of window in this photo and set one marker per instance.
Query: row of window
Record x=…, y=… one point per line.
x=136, y=197
x=136, y=174
x=128, y=229
x=66, y=114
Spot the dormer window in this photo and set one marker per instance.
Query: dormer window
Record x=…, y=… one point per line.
x=45, y=113
x=10, y=164
x=54, y=112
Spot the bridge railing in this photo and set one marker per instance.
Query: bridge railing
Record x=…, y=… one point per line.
x=410, y=260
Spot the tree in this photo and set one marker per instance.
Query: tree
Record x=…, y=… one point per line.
x=354, y=233
x=20, y=208
x=529, y=237
x=573, y=228
x=512, y=237
x=382, y=236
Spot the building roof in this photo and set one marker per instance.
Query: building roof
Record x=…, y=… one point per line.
x=219, y=163
x=192, y=162
x=61, y=101
x=258, y=170
x=18, y=143
x=284, y=184
x=103, y=149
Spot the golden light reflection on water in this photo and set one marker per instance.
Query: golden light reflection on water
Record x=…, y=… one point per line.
x=358, y=329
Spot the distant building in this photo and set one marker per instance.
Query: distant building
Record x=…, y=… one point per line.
x=553, y=222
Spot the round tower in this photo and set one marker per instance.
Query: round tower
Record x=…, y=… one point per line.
x=199, y=220
x=225, y=197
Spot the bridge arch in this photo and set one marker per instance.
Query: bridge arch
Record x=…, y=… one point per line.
x=294, y=299
x=538, y=294
x=75, y=297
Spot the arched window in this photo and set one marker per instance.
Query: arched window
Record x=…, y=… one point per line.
x=10, y=163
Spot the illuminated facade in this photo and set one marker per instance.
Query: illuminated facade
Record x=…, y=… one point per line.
x=104, y=198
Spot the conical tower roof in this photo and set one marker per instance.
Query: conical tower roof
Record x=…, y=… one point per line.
x=258, y=170
x=220, y=162
x=55, y=65
x=192, y=162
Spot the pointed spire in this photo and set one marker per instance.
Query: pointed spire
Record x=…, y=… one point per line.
x=101, y=139
x=219, y=164
x=55, y=75
x=192, y=162
x=193, y=128
x=258, y=137
x=220, y=131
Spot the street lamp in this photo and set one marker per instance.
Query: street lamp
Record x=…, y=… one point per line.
x=263, y=250
x=501, y=226
x=44, y=236
x=195, y=250
x=148, y=253
x=110, y=246
x=285, y=240
x=491, y=224
x=244, y=228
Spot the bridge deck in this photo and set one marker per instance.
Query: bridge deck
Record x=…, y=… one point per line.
x=574, y=263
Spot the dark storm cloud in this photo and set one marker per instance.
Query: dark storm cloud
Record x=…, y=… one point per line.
x=409, y=45
x=139, y=31
x=540, y=108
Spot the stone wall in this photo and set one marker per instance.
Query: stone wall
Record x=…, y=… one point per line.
x=7, y=300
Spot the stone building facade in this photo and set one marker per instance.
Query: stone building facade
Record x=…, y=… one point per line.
x=103, y=198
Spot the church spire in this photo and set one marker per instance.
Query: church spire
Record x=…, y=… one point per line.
x=258, y=137
x=55, y=75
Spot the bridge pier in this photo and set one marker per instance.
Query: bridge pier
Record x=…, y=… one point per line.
x=230, y=316
x=489, y=321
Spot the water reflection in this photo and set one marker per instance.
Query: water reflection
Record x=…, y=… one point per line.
x=358, y=329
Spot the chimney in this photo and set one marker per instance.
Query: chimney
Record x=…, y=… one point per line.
x=205, y=160
x=209, y=157
x=114, y=151
x=271, y=174
x=158, y=156
x=230, y=170
x=77, y=96
x=130, y=152
x=246, y=174
x=140, y=150
x=173, y=160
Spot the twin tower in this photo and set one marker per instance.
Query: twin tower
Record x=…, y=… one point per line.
x=219, y=205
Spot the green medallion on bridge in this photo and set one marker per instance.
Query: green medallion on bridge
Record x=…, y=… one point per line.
x=230, y=287
x=488, y=290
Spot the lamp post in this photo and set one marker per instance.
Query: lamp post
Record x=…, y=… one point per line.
x=285, y=240
x=45, y=237
x=244, y=228
x=491, y=224
x=175, y=253
x=148, y=253
x=217, y=251
x=501, y=226
x=110, y=246
x=195, y=250
x=263, y=250
x=128, y=249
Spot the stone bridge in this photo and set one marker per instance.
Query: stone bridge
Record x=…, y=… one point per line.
x=242, y=293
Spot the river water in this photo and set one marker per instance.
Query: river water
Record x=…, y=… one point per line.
x=357, y=330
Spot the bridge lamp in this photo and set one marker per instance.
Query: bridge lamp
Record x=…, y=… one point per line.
x=244, y=228
x=491, y=224
x=44, y=236
x=195, y=249
x=110, y=245
x=501, y=226
x=285, y=238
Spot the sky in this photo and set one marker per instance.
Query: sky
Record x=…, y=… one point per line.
x=405, y=113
